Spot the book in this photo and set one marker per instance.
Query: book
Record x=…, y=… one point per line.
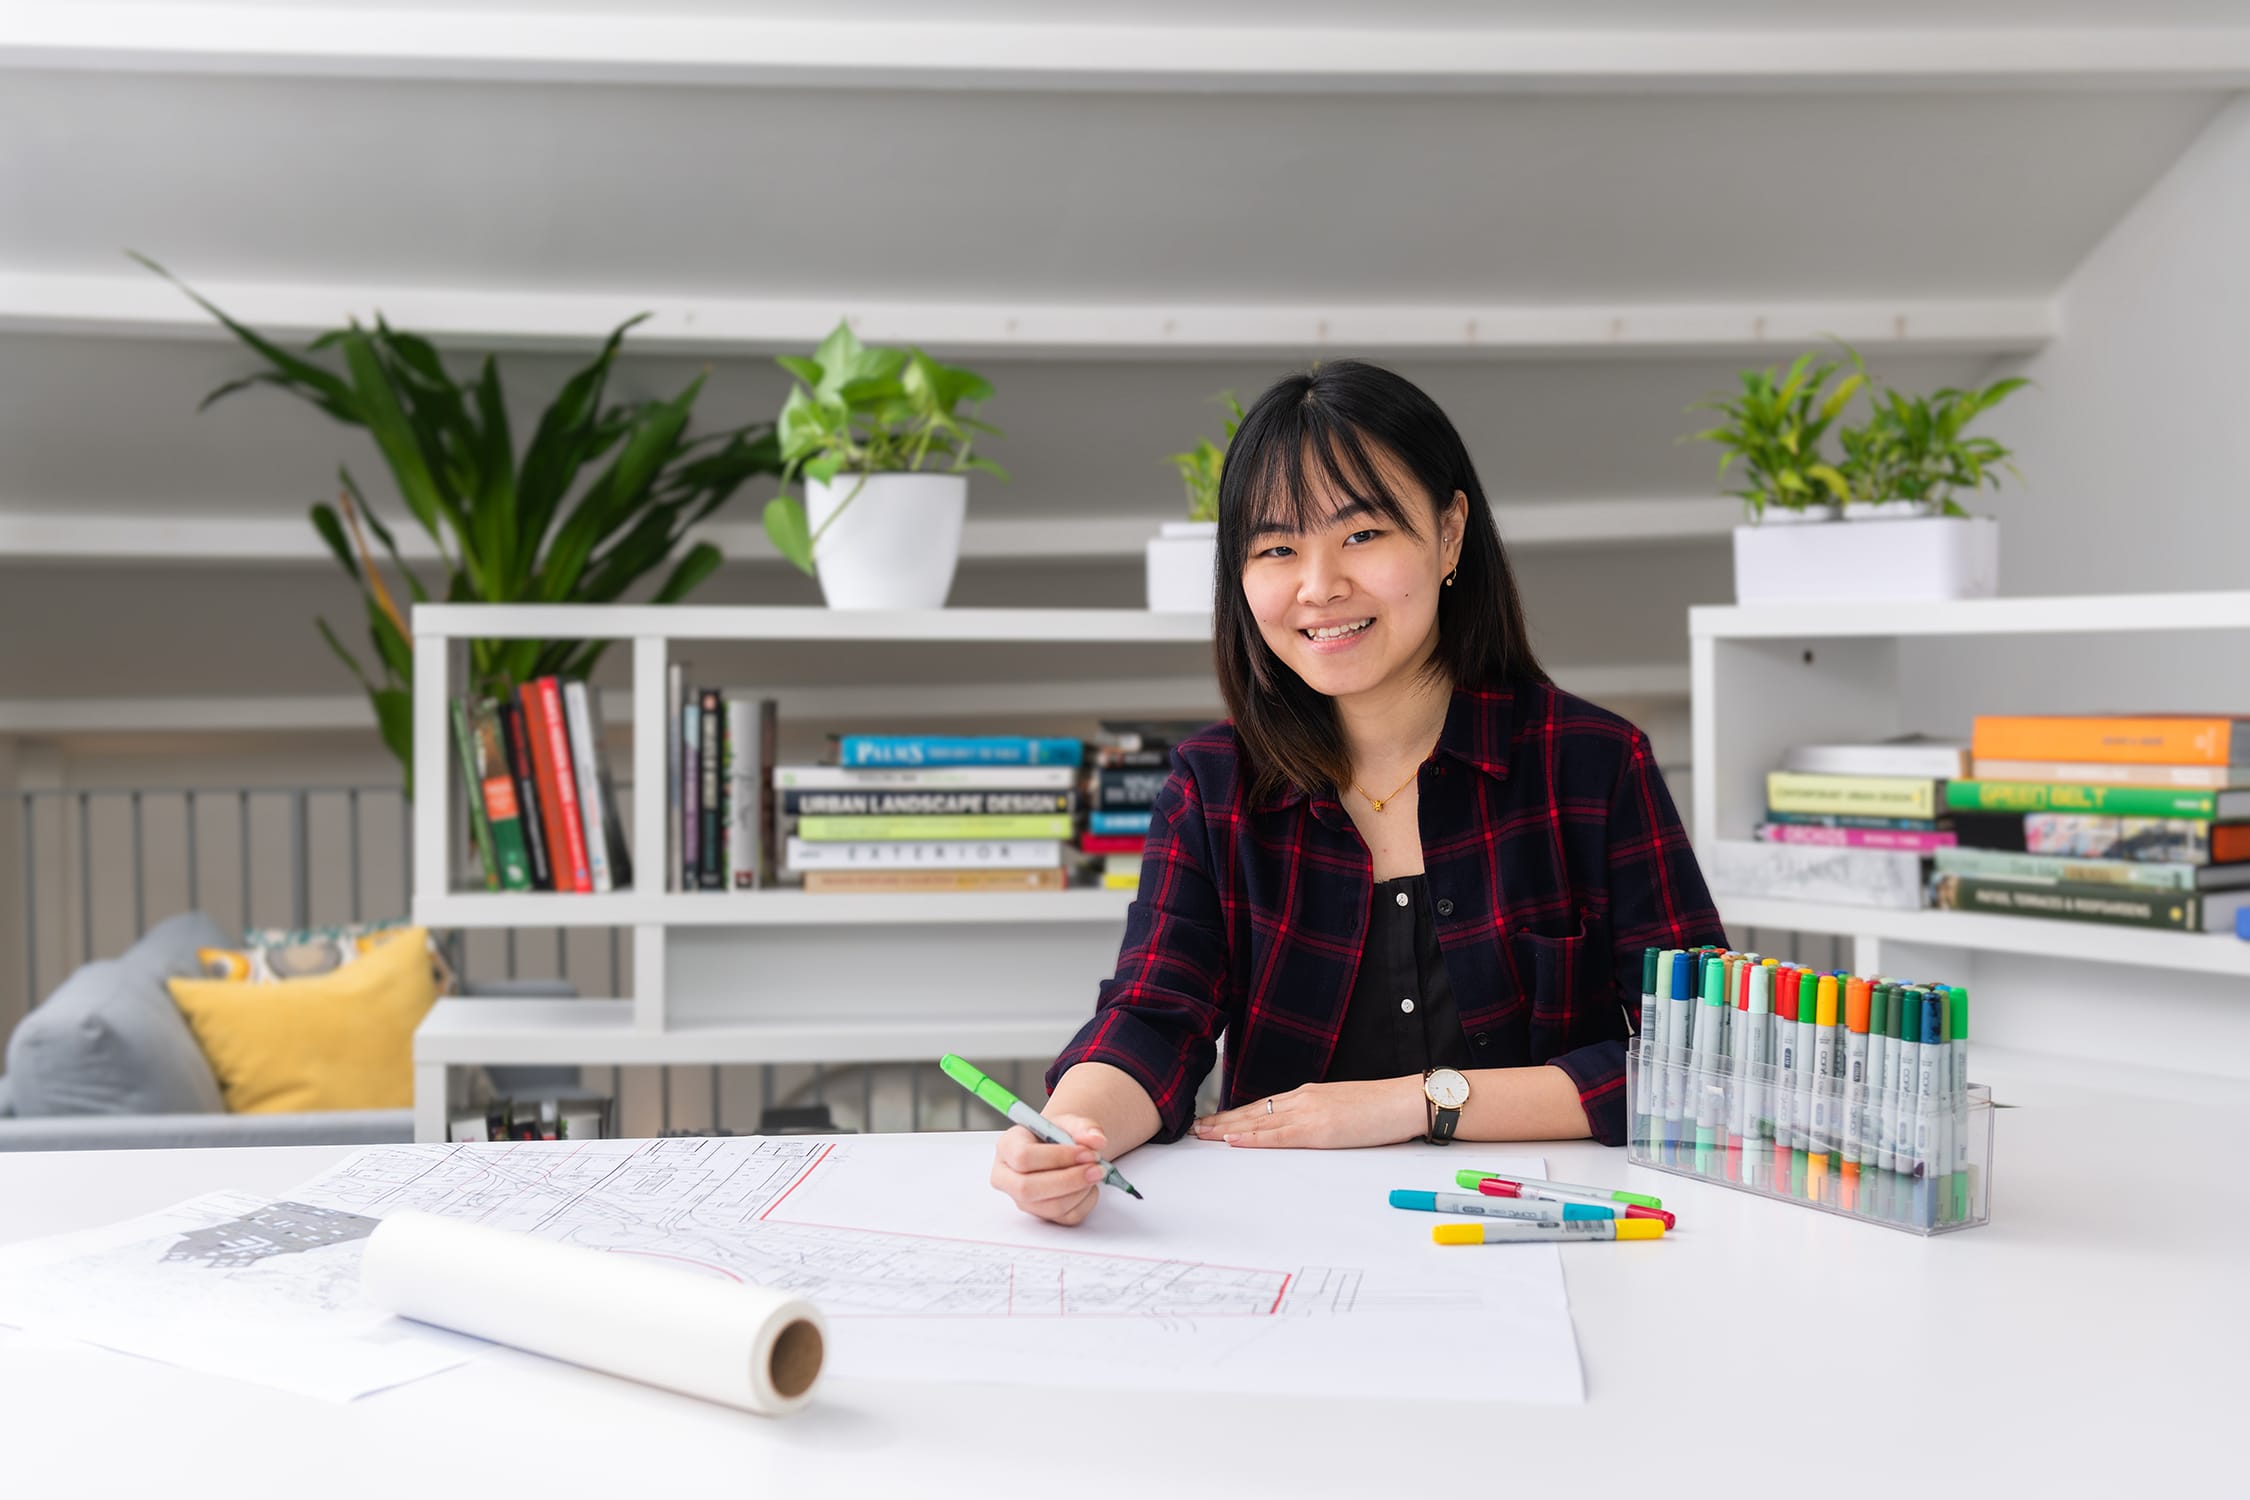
x=691, y=793
x=503, y=815
x=2137, y=739
x=2005, y=864
x=751, y=730
x=1855, y=838
x=1147, y=734
x=2087, y=797
x=927, y=854
x=527, y=793
x=1121, y=864
x=926, y=779
x=1112, y=843
x=558, y=798
x=2111, y=773
x=935, y=880
x=1109, y=757
x=1861, y=796
x=710, y=866
x=957, y=750
x=1118, y=822
x=2189, y=841
x=906, y=804
x=578, y=719
x=2125, y=906
x=472, y=794
x=1116, y=790
x=868, y=830
x=1846, y=877
x=675, y=678
x=1909, y=755
x=1850, y=820
x=1120, y=881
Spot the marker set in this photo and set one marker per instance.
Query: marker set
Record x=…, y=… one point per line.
x=1847, y=1093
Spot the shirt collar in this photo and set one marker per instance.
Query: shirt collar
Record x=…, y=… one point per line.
x=1479, y=725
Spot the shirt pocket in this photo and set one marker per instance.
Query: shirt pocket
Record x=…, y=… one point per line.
x=1565, y=979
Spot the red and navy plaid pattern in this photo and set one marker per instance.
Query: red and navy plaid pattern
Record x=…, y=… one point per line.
x=1553, y=855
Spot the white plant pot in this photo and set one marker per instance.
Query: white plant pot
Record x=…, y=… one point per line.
x=1183, y=563
x=897, y=543
x=1936, y=557
x=1888, y=510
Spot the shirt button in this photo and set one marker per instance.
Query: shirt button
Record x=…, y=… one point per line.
x=1483, y=1040
x=1407, y=1005
x=1445, y=906
x=1402, y=898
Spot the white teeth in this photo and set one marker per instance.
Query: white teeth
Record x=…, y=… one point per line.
x=1336, y=632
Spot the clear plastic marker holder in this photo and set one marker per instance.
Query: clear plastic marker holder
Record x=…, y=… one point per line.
x=1886, y=1156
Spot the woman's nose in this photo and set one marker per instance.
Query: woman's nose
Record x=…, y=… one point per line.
x=1322, y=581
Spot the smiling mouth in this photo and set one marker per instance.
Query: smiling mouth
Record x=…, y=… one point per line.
x=1335, y=632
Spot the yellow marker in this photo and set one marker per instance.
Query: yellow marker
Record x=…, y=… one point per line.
x=1512, y=1232
x=1828, y=1090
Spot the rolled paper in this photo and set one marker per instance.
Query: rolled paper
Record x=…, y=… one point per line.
x=744, y=1346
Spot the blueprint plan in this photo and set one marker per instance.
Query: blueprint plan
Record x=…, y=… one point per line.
x=1289, y=1264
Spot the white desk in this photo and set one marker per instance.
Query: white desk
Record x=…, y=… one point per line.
x=2071, y=1343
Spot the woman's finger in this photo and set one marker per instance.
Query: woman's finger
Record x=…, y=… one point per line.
x=1294, y=1133
x=1019, y=1149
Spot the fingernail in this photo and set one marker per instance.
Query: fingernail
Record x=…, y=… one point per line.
x=1084, y=1154
x=1095, y=1174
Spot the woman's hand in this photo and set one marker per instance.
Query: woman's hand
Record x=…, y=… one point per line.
x=1056, y=1183
x=1326, y=1115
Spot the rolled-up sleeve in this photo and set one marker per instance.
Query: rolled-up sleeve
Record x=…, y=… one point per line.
x=1158, y=1018
x=1657, y=899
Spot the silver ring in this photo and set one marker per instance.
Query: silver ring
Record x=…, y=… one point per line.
x=1269, y=1106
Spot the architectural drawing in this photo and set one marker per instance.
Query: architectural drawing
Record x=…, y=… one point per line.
x=274, y=1229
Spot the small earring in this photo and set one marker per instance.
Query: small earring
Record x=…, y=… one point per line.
x=1451, y=576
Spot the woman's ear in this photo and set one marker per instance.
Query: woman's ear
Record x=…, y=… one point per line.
x=1453, y=527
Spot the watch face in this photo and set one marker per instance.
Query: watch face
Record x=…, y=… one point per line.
x=1447, y=1089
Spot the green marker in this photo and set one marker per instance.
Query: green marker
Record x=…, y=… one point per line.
x=1561, y=1192
x=1019, y=1113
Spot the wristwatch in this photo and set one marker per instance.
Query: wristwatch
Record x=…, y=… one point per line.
x=1447, y=1091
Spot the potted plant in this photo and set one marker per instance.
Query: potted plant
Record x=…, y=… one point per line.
x=1898, y=533
x=878, y=529
x=506, y=529
x=1183, y=558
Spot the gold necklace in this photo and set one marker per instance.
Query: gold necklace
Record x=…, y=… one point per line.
x=1377, y=802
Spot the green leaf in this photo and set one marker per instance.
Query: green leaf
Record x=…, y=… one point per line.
x=325, y=389
x=331, y=529
x=394, y=720
x=343, y=655
x=789, y=531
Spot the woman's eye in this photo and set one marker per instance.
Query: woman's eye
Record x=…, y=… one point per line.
x=1275, y=552
x=1371, y=531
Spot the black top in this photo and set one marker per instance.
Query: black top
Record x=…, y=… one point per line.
x=1401, y=1018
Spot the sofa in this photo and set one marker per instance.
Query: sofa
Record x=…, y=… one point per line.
x=108, y=1063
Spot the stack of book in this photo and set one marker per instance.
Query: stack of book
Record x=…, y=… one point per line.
x=931, y=813
x=2141, y=820
x=1853, y=824
x=719, y=797
x=543, y=809
x=1129, y=762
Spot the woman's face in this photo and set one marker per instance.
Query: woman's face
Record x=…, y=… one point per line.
x=1352, y=606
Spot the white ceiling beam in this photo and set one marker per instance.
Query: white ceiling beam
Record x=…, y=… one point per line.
x=640, y=47
x=84, y=536
x=145, y=306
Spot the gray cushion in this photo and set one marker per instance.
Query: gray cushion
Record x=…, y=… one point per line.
x=111, y=1042
x=341, y=1127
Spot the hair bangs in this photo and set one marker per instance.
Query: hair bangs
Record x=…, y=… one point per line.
x=1310, y=471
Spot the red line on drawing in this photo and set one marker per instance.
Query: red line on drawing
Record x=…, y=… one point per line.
x=956, y=1239
x=1277, y=1296
x=685, y=1260
x=800, y=1182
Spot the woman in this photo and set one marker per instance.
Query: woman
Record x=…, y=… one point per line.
x=1409, y=880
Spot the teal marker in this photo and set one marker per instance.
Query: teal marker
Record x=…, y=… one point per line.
x=1020, y=1113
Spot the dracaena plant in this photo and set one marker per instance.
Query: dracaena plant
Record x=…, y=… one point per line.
x=1774, y=428
x=1919, y=447
x=506, y=529
x=1199, y=467
x=866, y=411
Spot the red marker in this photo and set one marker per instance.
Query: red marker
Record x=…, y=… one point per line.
x=1784, y=1074
x=1500, y=1187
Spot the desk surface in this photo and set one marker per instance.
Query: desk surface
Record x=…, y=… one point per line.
x=2090, y=1331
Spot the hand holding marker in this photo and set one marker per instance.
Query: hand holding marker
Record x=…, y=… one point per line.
x=1019, y=1113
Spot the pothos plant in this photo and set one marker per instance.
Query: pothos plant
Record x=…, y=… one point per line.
x=1774, y=428
x=534, y=529
x=1200, y=466
x=1918, y=448
x=869, y=411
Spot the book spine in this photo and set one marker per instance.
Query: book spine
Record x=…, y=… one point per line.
x=1855, y=838
x=521, y=767
x=2113, y=738
x=1109, y=757
x=2149, y=840
x=2120, y=906
x=953, y=750
x=934, y=880
x=578, y=719
x=1112, y=843
x=742, y=794
x=708, y=869
x=1922, y=762
x=1118, y=822
x=1863, y=796
x=542, y=744
x=2197, y=778
x=674, y=676
x=499, y=786
x=924, y=804
x=926, y=779
x=691, y=793
x=865, y=830
x=1114, y=789
x=556, y=767
x=2080, y=797
x=986, y=854
x=2000, y=864
x=769, y=751
x=1853, y=820
x=472, y=794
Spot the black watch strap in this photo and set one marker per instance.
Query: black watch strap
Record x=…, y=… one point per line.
x=1443, y=1122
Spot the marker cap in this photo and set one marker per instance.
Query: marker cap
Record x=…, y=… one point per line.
x=1960, y=1014
x=1639, y=1229
x=1458, y=1234
x=1663, y=1216
x=1648, y=969
x=1825, y=1001
x=1411, y=1198
x=1470, y=1177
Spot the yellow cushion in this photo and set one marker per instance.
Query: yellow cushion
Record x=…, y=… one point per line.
x=341, y=1040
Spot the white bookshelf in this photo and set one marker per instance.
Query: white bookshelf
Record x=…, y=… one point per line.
x=1763, y=678
x=763, y=976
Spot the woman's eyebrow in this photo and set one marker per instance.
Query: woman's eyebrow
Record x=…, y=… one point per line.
x=1352, y=512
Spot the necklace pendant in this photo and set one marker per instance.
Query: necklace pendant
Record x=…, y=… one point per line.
x=1377, y=805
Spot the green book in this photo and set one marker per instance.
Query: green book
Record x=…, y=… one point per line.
x=878, y=828
x=496, y=784
x=2095, y=798
x=472, y=787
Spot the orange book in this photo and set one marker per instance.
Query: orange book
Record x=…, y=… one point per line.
x=2141, y=740
x=558, y=791
x=2229, y=842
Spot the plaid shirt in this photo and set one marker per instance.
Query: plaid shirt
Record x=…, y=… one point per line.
x=1553, y=857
